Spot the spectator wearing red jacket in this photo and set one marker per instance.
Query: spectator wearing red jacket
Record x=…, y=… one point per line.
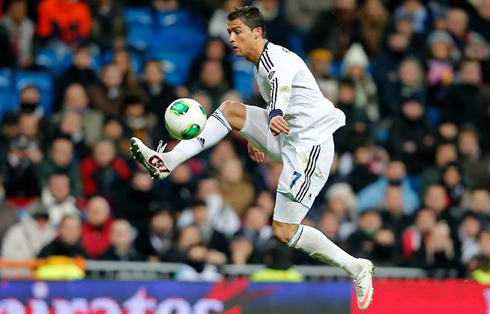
x=67, y=21
x=96, y=230
x=104, y=173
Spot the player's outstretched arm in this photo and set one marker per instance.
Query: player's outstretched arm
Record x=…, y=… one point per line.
x=255, y=154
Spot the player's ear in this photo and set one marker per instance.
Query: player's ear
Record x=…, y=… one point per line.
x=257, y=32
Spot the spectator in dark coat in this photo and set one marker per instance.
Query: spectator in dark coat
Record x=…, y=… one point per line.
x=78, y=72
x=108, y=24
x=160, y=94
x=412, y=137
x=121, y=248
x=104, y=173
x=332, y=26
x=464, y=102
x=68, y=241
x=155, y=242
x=362, y=174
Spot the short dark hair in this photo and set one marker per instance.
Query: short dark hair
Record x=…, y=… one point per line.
x=250, y=15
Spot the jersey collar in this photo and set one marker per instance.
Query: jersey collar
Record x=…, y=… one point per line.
x=262, y=53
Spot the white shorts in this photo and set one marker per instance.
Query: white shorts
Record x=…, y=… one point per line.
x=305, y=168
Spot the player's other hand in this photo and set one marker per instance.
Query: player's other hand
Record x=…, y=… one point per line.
x=278, y=125
x=255, y=154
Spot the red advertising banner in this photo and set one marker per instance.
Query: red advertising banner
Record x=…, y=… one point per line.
x=425, y=296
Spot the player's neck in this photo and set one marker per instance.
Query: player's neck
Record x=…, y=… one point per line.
x=254, y=56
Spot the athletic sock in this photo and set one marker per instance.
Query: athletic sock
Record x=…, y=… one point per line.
x=318, y=246
x=217, y=127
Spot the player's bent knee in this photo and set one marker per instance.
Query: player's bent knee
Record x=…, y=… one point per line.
x=284, y=231
x=234, y=112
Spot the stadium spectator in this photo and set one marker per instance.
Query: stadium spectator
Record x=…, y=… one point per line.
x=362, y=173
x=355, y=66
x=257, y=232
x=409, y=82
x=108, y=24
x=79, y=72
x=445, y=153
x=413, y=237
x=358, y=129
x=181, y=187
x=468, y=232
x=374, y=18
x=7, y=54
x=480, y=22
x=24, y=240
x=362, y=241
x=474, y=163
x=302, y=14
x=341, y=201
x=452, y=180
x=210, y=237
x=395, y=174
x=21, y=171
x=237, y=192
x=103, y=173
x=121, y=248
x=478, y=267
x=222, y=216
x=465, y=92
x=62, y=22
x=137, y=121
x=108, y=96
x=28, y=104
x=212, y=80
x=216, y=50
x=67, y=243
x=479, y=203
x=417, y=12
x=457, y=26
x=392, y=211
x=277, y=27
x=135, y=202
x=57, y=198
x=319, y=63
x=21, y=31
x=76, y=100
x=71, y=127
x=332, y=25
x=155, y=242
x=96, y=228
x=8, y=215
x=61, y=161
x=122, y=58
x=158, y=91
x=329, y=225
x=412, y=138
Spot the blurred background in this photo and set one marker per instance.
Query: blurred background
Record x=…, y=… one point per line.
x=410, y=183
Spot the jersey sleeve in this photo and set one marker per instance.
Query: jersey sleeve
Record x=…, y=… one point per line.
x=281, y=78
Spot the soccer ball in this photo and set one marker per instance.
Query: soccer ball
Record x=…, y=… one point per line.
x=185, y=118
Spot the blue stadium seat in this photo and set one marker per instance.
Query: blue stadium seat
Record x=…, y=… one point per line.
x=139, y=37
x=139, y=24
x=183, y=38
x=243, y=74
x=138, y=16
x=5, y=79
x=176, y=64
x=42, y=80
x=177, y=18
x=48, y=59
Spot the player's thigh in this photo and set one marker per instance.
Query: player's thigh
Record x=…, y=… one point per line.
x=256, y=131
x=305, y=171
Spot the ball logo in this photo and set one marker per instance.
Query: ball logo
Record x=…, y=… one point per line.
x=179, y=108
x=157, y=162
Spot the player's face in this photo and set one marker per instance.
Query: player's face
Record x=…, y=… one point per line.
x=241, y=37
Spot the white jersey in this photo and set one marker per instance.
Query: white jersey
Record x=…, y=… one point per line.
x=290, y=89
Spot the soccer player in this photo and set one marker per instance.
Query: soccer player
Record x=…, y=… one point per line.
x=296, y=129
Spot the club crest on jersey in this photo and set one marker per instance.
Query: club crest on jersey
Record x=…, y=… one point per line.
x=157, y=162
x=271, y=75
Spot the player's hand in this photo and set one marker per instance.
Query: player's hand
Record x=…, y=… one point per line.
x=278, y=125
x=255, y=154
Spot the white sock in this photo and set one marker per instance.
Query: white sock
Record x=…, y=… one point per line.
x=318, y=246
x=217, y=127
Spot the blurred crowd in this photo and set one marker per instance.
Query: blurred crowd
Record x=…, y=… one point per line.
x=411, y=177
